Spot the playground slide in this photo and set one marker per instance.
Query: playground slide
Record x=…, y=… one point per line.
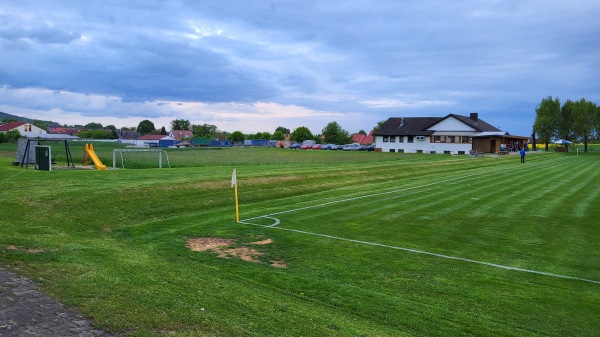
x=89, y=149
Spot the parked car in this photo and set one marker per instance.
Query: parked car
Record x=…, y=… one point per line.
x=351, y=147
x=306, y=147
x=336, y=147
x=371, y=148
x=317, y=147
x=326, y=147
x=295, y=146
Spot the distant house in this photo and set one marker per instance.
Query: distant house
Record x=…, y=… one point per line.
x=182, y=134
x=155, y=141
x=452, y=134
x=128, y=135
x=363, y=139
x=24, y=128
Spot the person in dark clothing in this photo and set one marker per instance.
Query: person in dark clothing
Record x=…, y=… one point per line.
x=522, y=152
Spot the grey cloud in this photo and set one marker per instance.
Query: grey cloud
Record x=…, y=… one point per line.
x=325, y=55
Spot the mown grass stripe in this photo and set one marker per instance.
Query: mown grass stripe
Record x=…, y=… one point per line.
x=429, y=253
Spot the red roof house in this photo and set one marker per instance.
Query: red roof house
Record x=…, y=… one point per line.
x=22, y=127
x=182, y=134
x=363, y=139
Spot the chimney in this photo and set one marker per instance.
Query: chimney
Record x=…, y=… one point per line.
x=474, y=116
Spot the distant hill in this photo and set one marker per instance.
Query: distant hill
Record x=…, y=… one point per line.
x=4, y=116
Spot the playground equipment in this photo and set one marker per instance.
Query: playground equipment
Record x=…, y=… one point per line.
x=26, y=148
x=89, y=150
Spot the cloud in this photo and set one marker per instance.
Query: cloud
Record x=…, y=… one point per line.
x=306, y=61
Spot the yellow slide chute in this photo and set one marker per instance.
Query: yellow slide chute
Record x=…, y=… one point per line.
x=89, y=149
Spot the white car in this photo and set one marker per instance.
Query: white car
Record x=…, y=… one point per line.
x=351, y=147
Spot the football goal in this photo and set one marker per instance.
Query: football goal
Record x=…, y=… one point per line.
x=140, y=158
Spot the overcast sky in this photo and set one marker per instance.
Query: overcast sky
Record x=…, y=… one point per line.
x=253, y=65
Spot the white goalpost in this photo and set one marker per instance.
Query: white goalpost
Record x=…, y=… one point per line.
x=154, y=153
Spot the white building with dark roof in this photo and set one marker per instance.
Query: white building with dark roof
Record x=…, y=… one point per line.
x=452, y=134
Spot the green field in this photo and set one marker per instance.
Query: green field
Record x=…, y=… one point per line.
x=351, y=244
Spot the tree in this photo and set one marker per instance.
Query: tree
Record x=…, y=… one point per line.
x=205, y=131
x=301, y=134
x=93, y=126
x=379, y=125
x=236, y=137
x=163, y=131
x=11, y=136
x=40, y=124
x=8, y=120
x=546, y=120
x=334, y=134
x=285, y=131
x=584, y=120
x=145, y=127
x=180, y=124
x=113, y=129
x=263, y=135
x=97, y=134
x=362, y=132
x=597, y=122
x=564, y=127
x=278, y=135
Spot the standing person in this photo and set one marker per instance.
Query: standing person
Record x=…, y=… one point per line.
x=522, y=152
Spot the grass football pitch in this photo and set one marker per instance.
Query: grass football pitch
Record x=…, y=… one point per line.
x=329, y=243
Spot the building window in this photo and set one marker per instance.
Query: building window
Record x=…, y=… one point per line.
x=392, y=150
x=432, y=152
x=437, y=139
x=401, y=139
x=400, y=150
x=386, y=139
x=451, y=139
x=465, y=139
x=392, y=139
x=410, y=139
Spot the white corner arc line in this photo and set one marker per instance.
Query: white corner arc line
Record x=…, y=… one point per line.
x=277, y=222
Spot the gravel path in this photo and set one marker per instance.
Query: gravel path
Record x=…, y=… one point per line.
x=24, y=311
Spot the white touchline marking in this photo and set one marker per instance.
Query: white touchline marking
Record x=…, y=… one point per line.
x=362, y=197
x=429, y=253
x=277, y=222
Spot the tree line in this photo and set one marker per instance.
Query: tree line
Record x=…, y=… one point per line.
x=331, y=133
x=577, y=121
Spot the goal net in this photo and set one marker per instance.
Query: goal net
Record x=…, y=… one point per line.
x=140, y=158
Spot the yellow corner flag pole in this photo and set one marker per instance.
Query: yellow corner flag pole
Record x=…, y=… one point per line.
x=234, y=185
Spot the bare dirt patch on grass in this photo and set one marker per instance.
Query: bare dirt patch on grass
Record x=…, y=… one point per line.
x=229, y=248
x=263, y=242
